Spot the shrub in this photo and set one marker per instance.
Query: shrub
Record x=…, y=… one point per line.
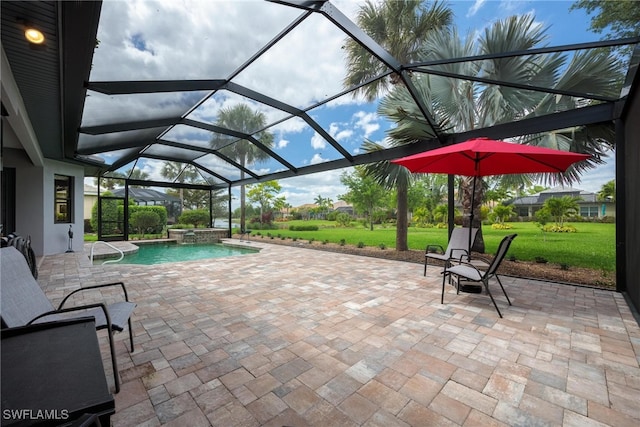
x=342, y=242
x=161, y=211
x=197, y=217
x=382, y=246
x=501, y=226
x=360, y=245
x=144, y=220
x=332, y=216
x=181, y=226
x=343, y=219
x=555, y=228
x=303, y=228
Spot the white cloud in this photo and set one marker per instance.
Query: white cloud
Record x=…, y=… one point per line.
x=317, y=158
x=318, y=142
x=337, y=134
x=477, y=5
x=303, y=189
x=594, y=179
x=282, y=143
x=367, y=122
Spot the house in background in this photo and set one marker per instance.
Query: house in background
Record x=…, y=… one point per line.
x=90, y=199
x=590, y=207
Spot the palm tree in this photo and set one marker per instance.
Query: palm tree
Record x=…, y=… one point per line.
x=178, y=172
x=607, y=191
x=138, y=174
x=463, y=105
x=241, y=118
x=400, y=27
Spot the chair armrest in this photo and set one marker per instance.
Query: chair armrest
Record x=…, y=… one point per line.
x=121, y=284
x=463, y=253
x=76, y=308
x=434, y=249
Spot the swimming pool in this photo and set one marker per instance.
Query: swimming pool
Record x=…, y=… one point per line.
x=172, y=252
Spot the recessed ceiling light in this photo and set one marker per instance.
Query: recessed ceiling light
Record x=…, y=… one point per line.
x=33, y=35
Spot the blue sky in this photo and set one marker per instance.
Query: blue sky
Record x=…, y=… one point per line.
x=306, y=66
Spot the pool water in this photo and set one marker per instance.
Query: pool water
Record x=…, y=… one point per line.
x=172, y=252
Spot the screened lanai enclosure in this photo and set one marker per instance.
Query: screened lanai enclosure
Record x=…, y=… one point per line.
x=219, y=94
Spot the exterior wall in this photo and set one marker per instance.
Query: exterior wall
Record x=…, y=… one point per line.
x=56, y=238
x=29, y=199
x=35, y=203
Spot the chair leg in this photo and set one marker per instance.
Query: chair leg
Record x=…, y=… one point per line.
x=130, y=334
x=486, y=286
x=425, y=265
x=114, y=363
x=444, y=279
x=503, y=291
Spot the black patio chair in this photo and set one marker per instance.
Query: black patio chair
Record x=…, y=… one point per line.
x=22, y=302
x=470, y=273
x=457, y=249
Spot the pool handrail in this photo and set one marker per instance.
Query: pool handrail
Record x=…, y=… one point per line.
x=112, y=247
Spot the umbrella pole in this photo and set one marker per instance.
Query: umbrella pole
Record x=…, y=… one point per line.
x=473, y=196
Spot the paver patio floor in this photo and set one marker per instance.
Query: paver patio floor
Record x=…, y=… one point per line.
x=299, y=337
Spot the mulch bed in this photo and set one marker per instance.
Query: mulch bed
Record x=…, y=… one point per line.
x=550, y=272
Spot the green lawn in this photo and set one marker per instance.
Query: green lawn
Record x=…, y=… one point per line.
x=593, y=246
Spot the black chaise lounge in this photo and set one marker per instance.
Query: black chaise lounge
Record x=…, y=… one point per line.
x=23, y=302
x=470, y=273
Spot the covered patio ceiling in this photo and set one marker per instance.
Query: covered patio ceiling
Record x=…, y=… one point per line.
x=111, y=122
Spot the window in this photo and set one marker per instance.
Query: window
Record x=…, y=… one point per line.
x=64, y=199
x=589, y=211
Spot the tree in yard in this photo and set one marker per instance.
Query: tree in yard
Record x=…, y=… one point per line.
x=115, y=179
x=620, y=18
x=264, y=194
x=365, y=194
x=463, y=105
x=324, y=204
x=542, y=217
x=607, y=192
x=241, y=118
x=502, y=213
x=561, y=207
x=441, y=214
x=279, y=204
x=400, y=27
x=179, y=172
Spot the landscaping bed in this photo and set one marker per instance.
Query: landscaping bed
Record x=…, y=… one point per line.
x=541, y=271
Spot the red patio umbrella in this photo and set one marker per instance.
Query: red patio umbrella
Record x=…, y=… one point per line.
x=484, y=157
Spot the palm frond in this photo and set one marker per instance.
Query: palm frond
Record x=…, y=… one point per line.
x=387, y=174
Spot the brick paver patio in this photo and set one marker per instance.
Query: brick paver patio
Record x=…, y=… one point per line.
x=297, y=337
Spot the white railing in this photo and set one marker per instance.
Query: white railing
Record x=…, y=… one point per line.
x=112, y=247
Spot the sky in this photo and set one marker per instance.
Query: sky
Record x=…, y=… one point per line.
x=136, y=43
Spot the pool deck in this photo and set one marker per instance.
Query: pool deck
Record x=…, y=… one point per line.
x=298, y=337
